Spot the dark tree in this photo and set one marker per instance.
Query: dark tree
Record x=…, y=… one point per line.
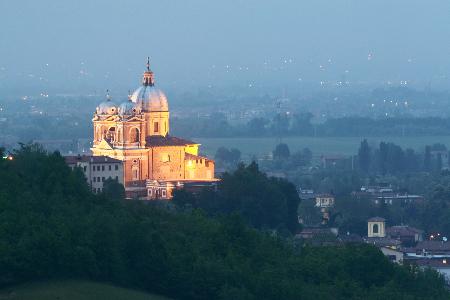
x=364, y=156
x=427, y=159
x=257, y=126
x=228, y=157
x=281, y=151
x=112, y=189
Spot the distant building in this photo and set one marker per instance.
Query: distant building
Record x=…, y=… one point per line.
x=430, y=249
x=97, y=169
x=318, y=236
x=385, y=194
x=337, y=162
x=306, y=194
x=376, y=235
x=441, y=265
x=393, y=254
x=324, y=200
x=376, y=227
x=430, y=254
x=441, y=155
x=405, y=234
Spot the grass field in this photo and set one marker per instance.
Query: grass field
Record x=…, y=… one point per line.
x=73, y=290
x=319, y=146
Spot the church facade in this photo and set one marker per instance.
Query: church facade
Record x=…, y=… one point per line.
x=136, y=132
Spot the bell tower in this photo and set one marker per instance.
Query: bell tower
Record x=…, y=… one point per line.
x=154, y=104
x=376, y=227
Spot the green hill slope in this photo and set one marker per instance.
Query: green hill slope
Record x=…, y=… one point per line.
x=73, y=290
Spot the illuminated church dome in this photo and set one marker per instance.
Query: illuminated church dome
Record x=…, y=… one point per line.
x=129, y=108
x=107, y=107
x=150, y=98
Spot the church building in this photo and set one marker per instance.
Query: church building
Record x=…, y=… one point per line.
x=136, y=132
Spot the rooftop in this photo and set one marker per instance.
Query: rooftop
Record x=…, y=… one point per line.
x=433, y=246
x=88, y=158
x=403, y=230
x=162, y=141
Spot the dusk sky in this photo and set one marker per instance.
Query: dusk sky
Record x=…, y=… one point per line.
x=100, y=44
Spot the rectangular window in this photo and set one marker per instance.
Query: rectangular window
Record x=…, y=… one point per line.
x=163, y=193
x=93, y=168
x=98, y=179
x=117, y=178
x=98, y=168
x=84, y=168
x=156, y=127
x=109, y=167
x=95, y=179
x=116, y=167
x=103, y=179
x=103, y=168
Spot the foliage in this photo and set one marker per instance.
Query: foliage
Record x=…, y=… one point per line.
x=281, y=151
x=265, y=203
x=364, y=156
x=227, y=157
x=390, y=158
x=52, y=226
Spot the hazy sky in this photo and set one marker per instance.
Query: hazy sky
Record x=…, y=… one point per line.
x=98, y=44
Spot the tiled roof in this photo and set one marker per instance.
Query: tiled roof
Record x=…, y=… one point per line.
x=432, y=263
x=403, y=230
x=192, y=156
x=433, y=246
x=167, y=141
x=324, y=196
x=382, y=241
x=88, y=158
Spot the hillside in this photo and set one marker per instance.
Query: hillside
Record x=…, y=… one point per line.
x=72, y=290
x=53, y=227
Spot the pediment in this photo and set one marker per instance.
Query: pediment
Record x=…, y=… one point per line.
x=135, y=119
x=104, y=145
x=112, y=118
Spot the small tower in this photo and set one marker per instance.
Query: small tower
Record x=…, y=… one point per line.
x=376, y=227
x=148, y=79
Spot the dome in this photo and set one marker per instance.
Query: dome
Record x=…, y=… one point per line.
x=107, y=108
x=150, y=98
x=128, y=108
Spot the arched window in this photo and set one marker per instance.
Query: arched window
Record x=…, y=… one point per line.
x=375, y=228
x=111, y=134
x=134, y=135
